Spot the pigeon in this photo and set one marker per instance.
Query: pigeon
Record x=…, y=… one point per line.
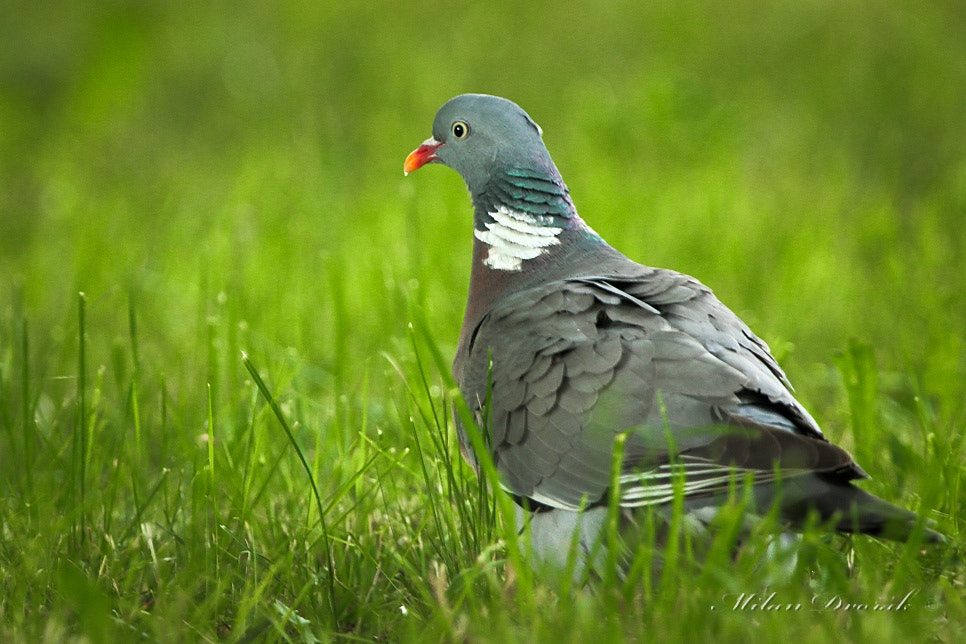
x=569, y=348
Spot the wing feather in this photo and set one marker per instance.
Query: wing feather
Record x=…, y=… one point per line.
x=577, y=362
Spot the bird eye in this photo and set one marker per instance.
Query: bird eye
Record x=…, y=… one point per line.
x=460, y=129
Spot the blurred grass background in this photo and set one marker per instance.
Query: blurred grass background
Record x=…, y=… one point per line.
x=218, y=177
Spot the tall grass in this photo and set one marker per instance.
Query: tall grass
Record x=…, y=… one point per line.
x=185, y=184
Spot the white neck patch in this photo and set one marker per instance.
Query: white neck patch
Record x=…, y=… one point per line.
x=514, y=236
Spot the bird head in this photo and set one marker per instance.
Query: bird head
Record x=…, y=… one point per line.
x=479, y=135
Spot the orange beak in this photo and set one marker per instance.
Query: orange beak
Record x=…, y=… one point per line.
x=421, y=155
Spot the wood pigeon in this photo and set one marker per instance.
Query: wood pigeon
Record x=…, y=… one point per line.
x=567, y=345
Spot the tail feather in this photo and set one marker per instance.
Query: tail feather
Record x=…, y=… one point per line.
x=864, y=513
x=853, y=510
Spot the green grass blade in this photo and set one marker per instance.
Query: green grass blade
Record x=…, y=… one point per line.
x=277, y=411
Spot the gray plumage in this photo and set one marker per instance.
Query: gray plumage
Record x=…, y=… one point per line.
x=587, y=345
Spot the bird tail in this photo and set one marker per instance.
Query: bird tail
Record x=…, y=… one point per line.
x=854, y=510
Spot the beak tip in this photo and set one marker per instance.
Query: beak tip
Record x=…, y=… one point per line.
x=422, y=155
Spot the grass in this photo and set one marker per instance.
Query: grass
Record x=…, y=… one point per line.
x=226, y=318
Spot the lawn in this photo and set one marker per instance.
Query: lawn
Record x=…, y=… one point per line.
x=226, y=318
